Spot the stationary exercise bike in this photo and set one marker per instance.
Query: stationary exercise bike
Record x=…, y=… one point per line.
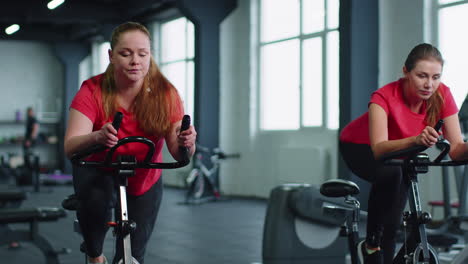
x=415, y=249
x=200, y=182
x=125, y=167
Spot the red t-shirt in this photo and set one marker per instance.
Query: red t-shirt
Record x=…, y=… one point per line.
x=402, y=122
x=88, y=101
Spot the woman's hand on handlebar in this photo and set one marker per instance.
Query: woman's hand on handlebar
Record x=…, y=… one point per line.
x=428, y=137
x=187, y=138
x=107, y=135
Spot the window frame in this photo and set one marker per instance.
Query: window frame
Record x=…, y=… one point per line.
x=323, y=35
x=157, y=54
x=434, y=31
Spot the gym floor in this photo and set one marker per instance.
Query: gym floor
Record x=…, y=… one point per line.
x=217, y=232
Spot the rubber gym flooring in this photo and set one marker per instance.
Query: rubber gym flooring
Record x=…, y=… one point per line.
x=216, y=232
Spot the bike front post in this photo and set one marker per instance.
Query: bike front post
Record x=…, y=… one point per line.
x=125, y=227
x=415, y=245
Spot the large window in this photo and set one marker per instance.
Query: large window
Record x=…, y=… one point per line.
x=102, y=58
x=298, y=64
x=452, y=43
x=176, y=57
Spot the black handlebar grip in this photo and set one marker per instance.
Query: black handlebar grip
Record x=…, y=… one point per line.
x=117, y=120
x=439, y=124
x=185, y=123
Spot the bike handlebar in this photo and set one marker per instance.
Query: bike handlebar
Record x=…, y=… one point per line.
x=391, y=158
x=77, y=158
x=216, y=151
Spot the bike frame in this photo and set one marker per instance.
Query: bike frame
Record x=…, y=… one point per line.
x=125, y=166
x=123, y=225
x=203, y=168
x=205, y=174
x=416, y=217
x=415, y=163
x=353, y=228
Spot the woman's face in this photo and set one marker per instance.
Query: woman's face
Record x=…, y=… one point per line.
x=423, y=79
x=131, y=56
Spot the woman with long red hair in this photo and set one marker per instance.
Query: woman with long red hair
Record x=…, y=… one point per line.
x=132, y=84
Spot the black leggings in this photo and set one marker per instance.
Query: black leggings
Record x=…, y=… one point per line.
x=387, y=197
x=97, y=195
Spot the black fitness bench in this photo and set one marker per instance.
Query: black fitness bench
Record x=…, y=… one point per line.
x=11, y=197
x=33, y=216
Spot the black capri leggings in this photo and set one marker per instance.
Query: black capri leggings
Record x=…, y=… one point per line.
x=96, y=191
x=387, y=197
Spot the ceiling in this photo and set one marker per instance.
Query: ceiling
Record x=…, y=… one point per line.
x=76, y=20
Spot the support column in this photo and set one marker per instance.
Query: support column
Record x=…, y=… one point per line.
x=207, y=16
x=359, y=39
x=70, y=54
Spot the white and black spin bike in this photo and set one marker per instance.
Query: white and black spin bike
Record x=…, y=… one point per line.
x=124, y=167
x=201, y=182
x=413, y=161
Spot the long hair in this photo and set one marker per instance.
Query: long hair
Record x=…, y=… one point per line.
x=156, y=100
x=426, y=51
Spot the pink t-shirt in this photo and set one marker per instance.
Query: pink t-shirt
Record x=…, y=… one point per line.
x=402, y=122
x=88, y=101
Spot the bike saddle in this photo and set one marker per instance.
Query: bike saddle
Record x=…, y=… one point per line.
x=339, y=188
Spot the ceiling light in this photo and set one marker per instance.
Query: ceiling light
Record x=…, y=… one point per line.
x=12, y=29
x=54, y=3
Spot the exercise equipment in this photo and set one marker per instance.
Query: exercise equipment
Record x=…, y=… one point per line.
x=415, y=248
x=125, y=167
x=201, y=182
x=298, y=230
x=304, y=226
x=9, y=214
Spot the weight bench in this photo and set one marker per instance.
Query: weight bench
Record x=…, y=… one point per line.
x=11, y=198
x=32, y=216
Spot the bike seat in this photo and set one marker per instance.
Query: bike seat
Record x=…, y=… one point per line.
x=339, y=188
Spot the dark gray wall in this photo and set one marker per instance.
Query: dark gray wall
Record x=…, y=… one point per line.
x=359, y=39
x=70, y=54
x=207, y=15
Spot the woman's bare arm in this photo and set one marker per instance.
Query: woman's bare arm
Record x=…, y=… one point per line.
x=378, y=133
x=452, y=132
x=79, y=134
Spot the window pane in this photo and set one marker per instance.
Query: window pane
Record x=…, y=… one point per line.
x=333, y=84
x=312, y=82
x=313, y=13
x=180, y=74
x=279, y=89
x=279, y=19
x=190, y=40
x=333, y=14
x=451, y=43
x=173, y=40
x=189, y=100
x=103, y=56
x=175, y=73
